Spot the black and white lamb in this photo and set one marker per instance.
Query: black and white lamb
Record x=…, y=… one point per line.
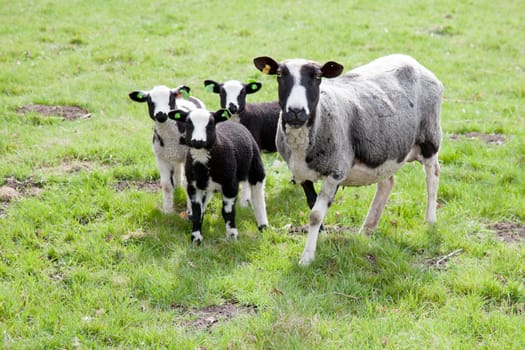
x=356, y=129
x=222, y=155
x=260, y=118
x=168, y=143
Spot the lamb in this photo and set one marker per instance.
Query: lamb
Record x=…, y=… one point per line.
x=357, y=129
x=259, y=118
x=168, y=142
x=222, y=155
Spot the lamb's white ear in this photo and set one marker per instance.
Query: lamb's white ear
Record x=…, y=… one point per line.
x=266, y=64
x=178, y=115
x=331, y=69
x=139, y=96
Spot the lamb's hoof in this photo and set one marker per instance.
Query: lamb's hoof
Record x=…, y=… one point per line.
x=196, y=238
x=243, y=202
x=232, y=234
x=262, y=227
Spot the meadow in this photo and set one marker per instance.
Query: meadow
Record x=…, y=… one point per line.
x=88, y=261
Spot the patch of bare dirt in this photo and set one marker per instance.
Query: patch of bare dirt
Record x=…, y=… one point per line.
x=147, y=185
x=509, y=232
x=494, y=139
x=207, y=317
x=68, y=167
x=303, y=229
x=14, y=189
x=66, y=112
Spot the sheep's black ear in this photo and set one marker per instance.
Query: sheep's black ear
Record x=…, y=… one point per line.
x=178, y=115
x=212, y=86
x=138, y=96
x=183, y=91
x=221, y=115
x=331, y=69
x=252, y=86
x=266, y=64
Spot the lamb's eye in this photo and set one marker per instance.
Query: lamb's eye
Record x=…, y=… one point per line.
x=279, y=74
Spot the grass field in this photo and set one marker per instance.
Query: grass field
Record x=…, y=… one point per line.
x=88, y=261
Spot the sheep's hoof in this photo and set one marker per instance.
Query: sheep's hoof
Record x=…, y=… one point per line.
x=262, y=227
x=306, y=258
x=196, y=238
x=232, y=234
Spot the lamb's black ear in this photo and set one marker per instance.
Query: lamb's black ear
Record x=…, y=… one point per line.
x=331, y=69
x=183, y=91
x=252, y=87
x=266, y=64
x=221, y=115
x=139, y=96
x=178, y=115
x=212, y=86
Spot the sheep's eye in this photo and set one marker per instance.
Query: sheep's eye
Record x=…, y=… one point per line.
x=279, y=73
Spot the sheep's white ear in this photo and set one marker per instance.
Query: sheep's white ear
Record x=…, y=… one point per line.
x=221, y=115
x=266, y=64
x=139, y=96
x=212, y=86
x=252, y=86
x=178, y=115
x=331, y=69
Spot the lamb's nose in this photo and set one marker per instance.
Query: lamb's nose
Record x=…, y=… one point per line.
x=232, y=108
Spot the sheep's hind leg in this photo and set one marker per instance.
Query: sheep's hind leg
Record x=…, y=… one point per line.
x=384, y=188
x=259, y=205
x=244, y=201
x=432, y=177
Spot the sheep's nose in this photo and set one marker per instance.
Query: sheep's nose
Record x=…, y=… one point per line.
x=197, y=144
x=295, y=116
x=232, y=108
x=161, y=117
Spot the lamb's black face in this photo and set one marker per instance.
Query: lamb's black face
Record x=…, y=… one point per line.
x=299, y=82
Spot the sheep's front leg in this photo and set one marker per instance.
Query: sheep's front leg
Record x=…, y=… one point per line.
x=166, y=184
x=198, y=206
x=228, y=213
x=384, y=188
x=317, y=214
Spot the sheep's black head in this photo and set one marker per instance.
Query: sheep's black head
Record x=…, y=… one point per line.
x=299, y=83
x=200, y=125
x=233, y=93
x=160, y=99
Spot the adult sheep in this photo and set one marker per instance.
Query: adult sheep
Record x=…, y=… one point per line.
x=356, y=129
x=168, y=142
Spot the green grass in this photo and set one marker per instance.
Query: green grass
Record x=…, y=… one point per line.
x=86, y=265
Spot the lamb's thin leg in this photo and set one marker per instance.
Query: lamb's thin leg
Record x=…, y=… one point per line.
x=228, y=213
x=432, y=177
x=384, y=188
x=259, y=204
x=325, y=197
x=244, y=201
x=178, y=179
x=166, y=183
